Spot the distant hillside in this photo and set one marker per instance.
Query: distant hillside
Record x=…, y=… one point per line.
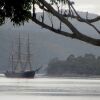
x=45, y=44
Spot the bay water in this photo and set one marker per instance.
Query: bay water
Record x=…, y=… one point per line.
x=46, y=88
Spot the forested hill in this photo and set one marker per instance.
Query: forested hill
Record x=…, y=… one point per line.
x=87, y=65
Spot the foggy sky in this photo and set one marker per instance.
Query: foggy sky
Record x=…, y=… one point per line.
x=92, y=6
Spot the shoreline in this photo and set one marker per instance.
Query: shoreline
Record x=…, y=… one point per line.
x=64, y=77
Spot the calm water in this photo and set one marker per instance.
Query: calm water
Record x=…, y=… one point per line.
x=49, y=89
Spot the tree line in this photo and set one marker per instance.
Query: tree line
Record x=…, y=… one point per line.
x=87, y=65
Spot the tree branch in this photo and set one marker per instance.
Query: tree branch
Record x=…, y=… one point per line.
x=81, y=37
x=96, y=19
x=79, y=17
x=52, y=29
x=59, y=16
x=75, y=33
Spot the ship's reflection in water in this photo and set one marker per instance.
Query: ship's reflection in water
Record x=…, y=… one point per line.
x=49, y=89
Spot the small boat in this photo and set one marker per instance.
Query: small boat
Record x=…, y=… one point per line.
x=20, y=68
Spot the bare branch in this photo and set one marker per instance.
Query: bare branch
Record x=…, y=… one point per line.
x=50, y=18
x=96, y=19
x=75, y=33
x=60, y=17
x=41, y=6
x=81, y=37
x=93, y=27
x=34, y=14
x=52, y=29
x=79, y=17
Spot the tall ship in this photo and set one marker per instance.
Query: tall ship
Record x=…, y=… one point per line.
x=21, y=66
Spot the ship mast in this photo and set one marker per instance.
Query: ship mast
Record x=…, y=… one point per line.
x=28, y=56
x=19, y=62
x=12, y=58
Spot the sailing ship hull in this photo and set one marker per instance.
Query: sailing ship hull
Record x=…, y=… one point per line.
x=26, y=74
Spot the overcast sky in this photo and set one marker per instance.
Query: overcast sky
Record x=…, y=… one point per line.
x=92, y=6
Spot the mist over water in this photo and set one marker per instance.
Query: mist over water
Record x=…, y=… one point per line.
x=49, y=89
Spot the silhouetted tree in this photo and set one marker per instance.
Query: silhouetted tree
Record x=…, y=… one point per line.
x=19, y=11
